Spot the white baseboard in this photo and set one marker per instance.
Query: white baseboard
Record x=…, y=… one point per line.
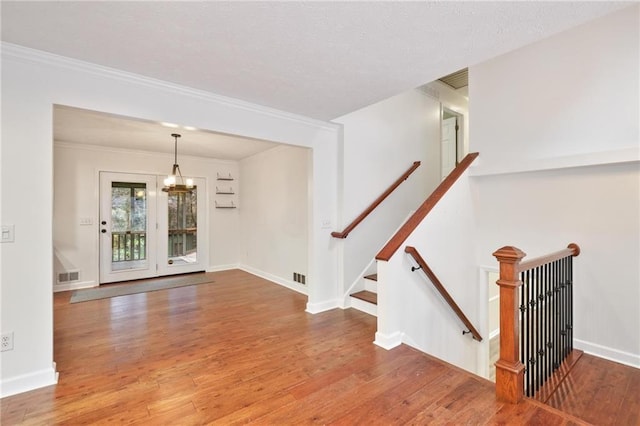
x=316, y=308
x=218, y=268
x=292, y=285
x=388, y=341
x=28, y=382
x=494, y=333
x=74, y=286
x=312, y=308
x=626, y=358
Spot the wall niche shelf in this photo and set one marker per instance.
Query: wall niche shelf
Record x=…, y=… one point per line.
x=224, y=177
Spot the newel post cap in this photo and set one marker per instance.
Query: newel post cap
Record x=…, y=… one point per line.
x=509, y=254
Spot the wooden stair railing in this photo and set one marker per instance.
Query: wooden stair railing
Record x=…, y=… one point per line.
x=543, y=301
x=443, y=291
x=377, y=202
x=403, y=233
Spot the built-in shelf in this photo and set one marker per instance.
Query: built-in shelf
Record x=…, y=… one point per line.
x=225, y=191
x=224, y=177
x=229, y=205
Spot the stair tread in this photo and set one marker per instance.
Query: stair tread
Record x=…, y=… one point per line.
x=367, y=296
x=372, y=277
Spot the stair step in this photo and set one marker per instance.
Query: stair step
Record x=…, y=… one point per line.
x=372, y=277
x=367, y=296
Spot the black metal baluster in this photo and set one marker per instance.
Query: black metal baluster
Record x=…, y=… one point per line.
x=556, y=314
x=563, y=309
x=540, y=330
x=523, y=334
x=532, y=329
x=549, y=316
x=570, y=265
x=543, y=313
x=567, y=307
x=536, y=330
x=526, y=361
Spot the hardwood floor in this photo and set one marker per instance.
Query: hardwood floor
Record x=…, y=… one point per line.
x=242, y=350
x=601, y=392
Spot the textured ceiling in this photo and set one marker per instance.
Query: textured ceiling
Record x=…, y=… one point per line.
x=318, y=59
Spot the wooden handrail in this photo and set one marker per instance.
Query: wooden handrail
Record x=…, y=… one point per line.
x=572, y=250
x=376, y=203
x=443, y=291
x=403, y=233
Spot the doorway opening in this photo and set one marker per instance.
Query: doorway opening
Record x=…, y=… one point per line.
x=451, y=137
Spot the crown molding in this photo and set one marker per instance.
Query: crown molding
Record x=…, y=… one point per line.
x=27, y=54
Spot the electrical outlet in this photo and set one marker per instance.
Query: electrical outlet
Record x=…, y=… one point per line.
x=6, y=341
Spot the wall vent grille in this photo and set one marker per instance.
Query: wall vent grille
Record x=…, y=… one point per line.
x=68, y=276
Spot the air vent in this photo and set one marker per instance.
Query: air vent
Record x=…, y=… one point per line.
x=68, y=276
x=457, y=79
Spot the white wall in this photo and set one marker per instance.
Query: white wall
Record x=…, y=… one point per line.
x=32, y=82
x=380, y=143
x=274, y=212
x=76, y=196
x=571, y=100
x=410, y=309
x=568, y=100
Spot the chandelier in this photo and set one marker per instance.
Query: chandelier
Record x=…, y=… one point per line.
x=170, y=183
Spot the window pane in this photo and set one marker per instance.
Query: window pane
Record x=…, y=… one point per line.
x=183, y=227
x=128, y=221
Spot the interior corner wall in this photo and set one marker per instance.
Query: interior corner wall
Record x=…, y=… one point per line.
x=545, y=120
x=32, y=83
x=76, y=179
x=597, y=207
x=380, y=142
x=564, y=97
x=274, y=212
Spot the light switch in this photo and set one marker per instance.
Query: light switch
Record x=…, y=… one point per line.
x=326, y=224
x=86, y=221
x=7, y=233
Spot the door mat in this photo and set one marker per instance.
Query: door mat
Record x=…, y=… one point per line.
x=113, y=290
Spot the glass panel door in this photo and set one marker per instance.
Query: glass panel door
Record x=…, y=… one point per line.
x=127, y=214
x=183, y=227
x=181, y=232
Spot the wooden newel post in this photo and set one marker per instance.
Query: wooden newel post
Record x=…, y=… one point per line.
x=509, y=369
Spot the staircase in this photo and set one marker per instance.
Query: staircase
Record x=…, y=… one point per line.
x=367, y=300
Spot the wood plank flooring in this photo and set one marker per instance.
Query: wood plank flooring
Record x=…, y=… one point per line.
x=242, y=350
x=601, y=392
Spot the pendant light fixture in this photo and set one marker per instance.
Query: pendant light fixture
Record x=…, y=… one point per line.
x=171, y=184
